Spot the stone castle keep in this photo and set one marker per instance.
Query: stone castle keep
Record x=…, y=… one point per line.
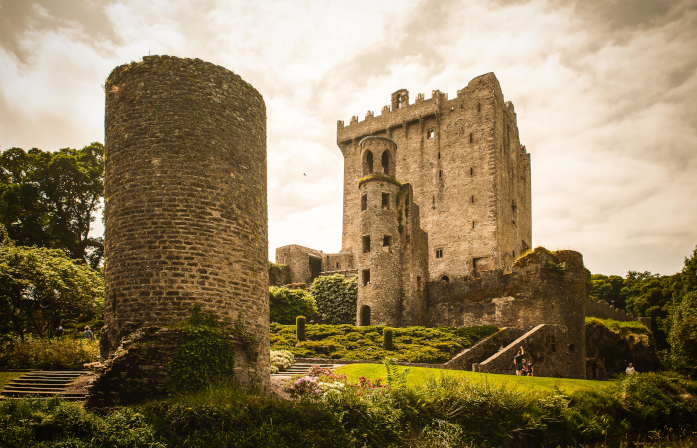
x=434, y=191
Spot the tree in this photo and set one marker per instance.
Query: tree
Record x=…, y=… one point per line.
x=286, y=304
x=49, y=199
x=608, y=289
x=683, y=334
x=336, y=299
x=41, y=288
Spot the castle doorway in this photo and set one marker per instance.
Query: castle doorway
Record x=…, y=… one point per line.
x=365, y=316
x=315, y=267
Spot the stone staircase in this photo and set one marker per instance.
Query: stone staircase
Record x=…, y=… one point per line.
x=44, y=384
x=301, y=369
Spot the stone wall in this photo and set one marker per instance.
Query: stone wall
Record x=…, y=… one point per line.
x=484, y=349
x=279, y=274
x=609, y=352
x=534, y=293
x=604, y=310
x=185, y=199
x=547, y=345
x=469, y=172
x=301, y=260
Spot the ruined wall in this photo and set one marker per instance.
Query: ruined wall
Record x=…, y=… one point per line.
x=301, y=260
x=604, y=310
x=466, y=167
x=185, y=200
x=279, y=274
x=544, y=287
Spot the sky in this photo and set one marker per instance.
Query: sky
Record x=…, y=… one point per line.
x=605, y=93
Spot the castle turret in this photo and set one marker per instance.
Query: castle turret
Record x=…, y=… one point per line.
x=390, y=291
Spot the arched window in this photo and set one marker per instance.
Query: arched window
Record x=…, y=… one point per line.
x=365, y=315
x=386, y=162
x=368, y=163
x=445, y=279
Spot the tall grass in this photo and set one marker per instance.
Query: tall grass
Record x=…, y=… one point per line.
x=56, y=354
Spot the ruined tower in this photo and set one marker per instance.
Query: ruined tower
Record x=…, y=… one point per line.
x=469, y=173
x=185, y=193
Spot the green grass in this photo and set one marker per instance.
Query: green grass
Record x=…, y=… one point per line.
x=7, y=377
x=634, y=326
x=418, y=375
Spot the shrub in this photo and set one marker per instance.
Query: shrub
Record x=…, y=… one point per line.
x=55, y=354
x=300, y=328
x=683, y=335
x=206, y=355
x=285, y=304
x=336, y=299
x=387, y=339
x=281, y=360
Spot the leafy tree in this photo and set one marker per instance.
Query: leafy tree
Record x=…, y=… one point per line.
x=40, y=288
x=336, y=299
x=683, y=334
x=608, y=289
x=287, y=304
x=686, y=281
x=650, y=295
x=49, y=199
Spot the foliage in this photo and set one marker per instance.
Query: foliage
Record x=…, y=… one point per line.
x=686, y=281
x=378, y=176
x=556, y=268
x=279, y=274
x=56, y=354
x=300, y=328
x=624, y=328
x=281, y=360
x=387, y=341
x=41, y=288
x=395, y=379
x=49, y=199
x=286, y=304
x=411, y=344
x=683, y=334
x=608, y=289
x=206, y=355
x=336, y=299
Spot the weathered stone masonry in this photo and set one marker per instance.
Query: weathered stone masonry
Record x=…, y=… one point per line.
x=185, y=192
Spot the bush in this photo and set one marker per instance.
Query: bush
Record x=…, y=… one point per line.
x=410, y=344
x=55, y=354
x=683, y=335
x=285, y=304
x=281, y=360
x=387, y=339
x=336, y=299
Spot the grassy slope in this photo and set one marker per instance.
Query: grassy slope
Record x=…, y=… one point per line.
x=417, y=375
x=6, y=377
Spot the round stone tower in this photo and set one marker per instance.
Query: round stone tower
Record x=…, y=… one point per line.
x=379, y=264
x=185, y=202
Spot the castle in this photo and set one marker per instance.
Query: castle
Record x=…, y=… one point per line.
x=458, y=167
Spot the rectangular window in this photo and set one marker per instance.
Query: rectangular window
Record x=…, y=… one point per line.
x=472, y=199
x=471, y=171
x=364, y=202
x=473, y=224
x=418, y=283
x=366, y=244
x=386, y=201
x=439, y=253
x=571, y=347
x=338, y=266
x=386, y=240
x=471, y=137
x=440, y=174
x=366, y=277
x=430, y=134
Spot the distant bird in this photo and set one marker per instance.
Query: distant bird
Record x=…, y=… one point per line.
x=304, y=174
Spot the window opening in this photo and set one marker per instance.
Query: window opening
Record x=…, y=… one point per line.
x=386, y=162
x=514, y=253
x=439, y=253
x=439, y=156
x=399, y=101
x=364, y=202
x=430, y=134
x=479, y=107
x=440, y=174
x=386, y=243
x=473, y=224
x=386, y=201
x=554, y=348
x=418, y=283
x=365, y=316
x=471, y=137
x=366, y=277
x=369, y=160
x=571, y=347
x=513, y=205
x=434, y=202
x=471, y=171
x=473, y=199
x=445, y=279
x=366, y=244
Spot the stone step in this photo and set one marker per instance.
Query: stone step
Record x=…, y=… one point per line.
x=12, y=387
x=44, y=384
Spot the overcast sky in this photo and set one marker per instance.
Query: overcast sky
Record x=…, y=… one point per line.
x=605, y=92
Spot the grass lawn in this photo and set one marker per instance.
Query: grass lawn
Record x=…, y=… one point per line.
x=417, y=375
x=6, y=377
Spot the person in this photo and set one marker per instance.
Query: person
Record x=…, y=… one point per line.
x=59, y=331
x=518, y=361
x=88, y=334
x=524, y=371
x=530, y=369
x=630, y=370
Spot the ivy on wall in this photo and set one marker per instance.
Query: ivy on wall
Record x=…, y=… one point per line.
x=336, y=299
x=286, y=304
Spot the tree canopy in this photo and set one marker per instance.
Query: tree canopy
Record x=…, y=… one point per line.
x=49, y=199
x=41, y=288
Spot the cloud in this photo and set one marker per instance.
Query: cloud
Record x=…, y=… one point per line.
x=602, y=91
